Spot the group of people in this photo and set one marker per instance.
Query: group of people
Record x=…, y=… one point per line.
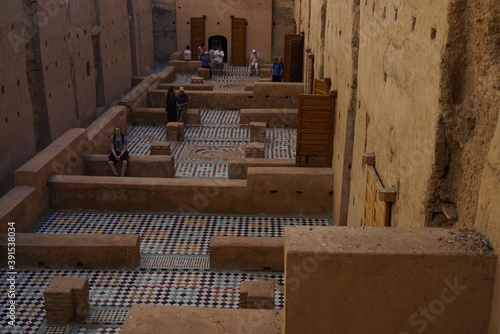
x=277, y=72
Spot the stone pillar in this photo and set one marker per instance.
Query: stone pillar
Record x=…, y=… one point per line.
x=257, y=295
x=66, y=300
x=159, y=148
x=258, y=132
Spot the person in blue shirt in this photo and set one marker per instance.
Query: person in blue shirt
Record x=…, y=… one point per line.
x=277, y=70
x=182, y=101
x=205, y=62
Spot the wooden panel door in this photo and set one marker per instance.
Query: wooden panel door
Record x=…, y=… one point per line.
x=238, y=41
x=322, y=86
x=197, y=35
x=316, y=121
x=294, y=58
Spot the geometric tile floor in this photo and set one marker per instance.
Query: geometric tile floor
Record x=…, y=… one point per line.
x=232, y=78
x=167, y=242
x=171, y=234
x=207, y=146
x=116, y=291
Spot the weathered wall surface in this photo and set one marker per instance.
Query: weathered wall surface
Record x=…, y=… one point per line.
x=115, y=48
x=54, y=48
x=283, y=24
x=81, y=59
x=218, y=22
x=16, y=114
x=165, y=36
x=141, y=37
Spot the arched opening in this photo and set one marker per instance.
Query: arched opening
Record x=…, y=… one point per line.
x=216, y=41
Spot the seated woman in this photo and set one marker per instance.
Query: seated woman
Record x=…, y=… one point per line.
x=118, y=146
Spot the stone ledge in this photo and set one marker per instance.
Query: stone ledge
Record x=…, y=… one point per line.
x=246, y=253
x=138, y=166
x=195, y=320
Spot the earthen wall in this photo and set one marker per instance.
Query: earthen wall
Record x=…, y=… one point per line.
x=165, y=36
x=141, y=35
x=16, y=114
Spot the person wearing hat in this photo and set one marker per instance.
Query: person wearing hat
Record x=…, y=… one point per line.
x=254, y=62
x=277, y=70
x=182, y=101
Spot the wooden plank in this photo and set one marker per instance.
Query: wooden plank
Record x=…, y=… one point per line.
x=238, y=41
x=293, y=58
x=322, y=86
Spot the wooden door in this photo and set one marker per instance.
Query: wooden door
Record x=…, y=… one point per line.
x=238, y=41
x=197, y=35
x=316, y=121
x=322, y=86
x=294, y=58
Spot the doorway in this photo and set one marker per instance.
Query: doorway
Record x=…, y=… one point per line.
x=216, y=41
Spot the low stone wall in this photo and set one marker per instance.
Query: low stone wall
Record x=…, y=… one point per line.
x=102, y=129
x=138, y=166
x=23, y=208
x=167, y=74
x=185, y=66
x=237, y=167
x=148, y=116
x=73, y=251
x=267, y=191
x=204, y=86
x=275, y=118
x=247, y=253
x=144, y=318
x=62, y=156
x=138, y=96
x=337, y=279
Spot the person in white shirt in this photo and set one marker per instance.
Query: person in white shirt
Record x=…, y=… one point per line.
x=254, y=62
x=187, y=53
x=219, y=59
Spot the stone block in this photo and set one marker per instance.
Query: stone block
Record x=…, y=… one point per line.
x=204, y=73
x=255, y=150
x=257, y=294
x=159, y=148
x=192, y=116
x=197, y=80
x=175, y=131
x=390, y=280
x=66, y=300
x=246, y=253
x=258, y=132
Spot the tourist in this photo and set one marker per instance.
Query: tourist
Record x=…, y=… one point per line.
x=171, y=105
x=187, y=53
x=201, y=50
x=182, y=101
x=219, y=60
x=118, y=146
x=254, y=62
x=277, y=70
x=211, y=53
x=205, y=62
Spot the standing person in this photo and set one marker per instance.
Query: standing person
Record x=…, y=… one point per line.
x=201, y=50
x=219, y=59
x=254, y=62
x=187, y=53
x=118, y=146
x=211, y=53
x=182, y=101
x=277, y=70
x=205, y=62
x=171, y=105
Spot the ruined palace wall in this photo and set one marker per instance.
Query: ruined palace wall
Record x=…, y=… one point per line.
x=165, y=36
x=141, y=36
x=401, y=49
x=328, y=28
x=82, y=61
x=258, y=15
x=115, y=48
x=283, y=24
x=16, y=114
x=54, y=49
